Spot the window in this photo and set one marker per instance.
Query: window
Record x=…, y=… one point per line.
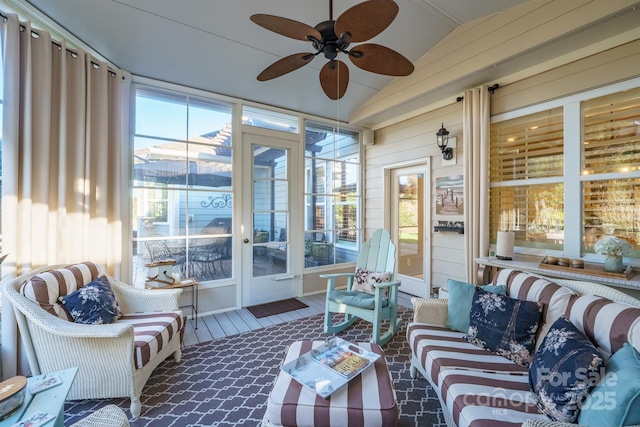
x=526, y=173
x=610, y=168
x=565, y=176
x=332, y=195
x=182, y=183
x=259, y=117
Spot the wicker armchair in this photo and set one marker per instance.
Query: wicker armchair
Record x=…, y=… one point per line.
x=104, y=354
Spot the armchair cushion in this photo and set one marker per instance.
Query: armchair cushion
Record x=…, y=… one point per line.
x=356, y=299
x=152, y=331
x=45, y=288
x=93, y=304
x=505, y=326
x=565, y=368
x=364, y=280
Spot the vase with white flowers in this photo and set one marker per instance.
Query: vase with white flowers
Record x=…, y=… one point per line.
x=613, y=248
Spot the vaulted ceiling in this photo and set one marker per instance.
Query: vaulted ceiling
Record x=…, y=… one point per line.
x=214, y=46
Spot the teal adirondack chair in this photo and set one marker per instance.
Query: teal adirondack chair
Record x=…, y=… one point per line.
x=377, y=255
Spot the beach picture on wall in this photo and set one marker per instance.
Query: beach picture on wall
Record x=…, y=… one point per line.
x=450, y=195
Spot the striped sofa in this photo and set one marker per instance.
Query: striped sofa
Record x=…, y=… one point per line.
x=114, y=360
x=481, y=389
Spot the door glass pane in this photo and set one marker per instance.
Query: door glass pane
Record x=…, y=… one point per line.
x=270, y=211
x=410, y=190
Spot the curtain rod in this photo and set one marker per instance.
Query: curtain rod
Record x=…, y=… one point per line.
x=490, y=88
x=73, y=53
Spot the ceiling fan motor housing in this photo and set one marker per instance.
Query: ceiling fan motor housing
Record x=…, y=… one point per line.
x=330, y=44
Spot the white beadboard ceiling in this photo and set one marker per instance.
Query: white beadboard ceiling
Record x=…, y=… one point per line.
x=212, y=44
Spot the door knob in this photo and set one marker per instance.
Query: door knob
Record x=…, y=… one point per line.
x=246, y=240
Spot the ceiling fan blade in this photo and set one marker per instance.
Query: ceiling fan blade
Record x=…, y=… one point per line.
x=286, y=27
x=285, y=65
x=380, y=60
x=367, y=19
x=334, y=78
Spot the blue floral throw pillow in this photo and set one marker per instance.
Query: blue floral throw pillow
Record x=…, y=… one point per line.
x=563, y=371
x=93, y=304
x=503, y=325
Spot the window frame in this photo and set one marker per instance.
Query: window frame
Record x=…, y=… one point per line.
x=572, y=178
x=329, y=203
x=177, y=195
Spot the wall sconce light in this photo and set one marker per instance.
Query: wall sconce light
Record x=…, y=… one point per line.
x=443, y=140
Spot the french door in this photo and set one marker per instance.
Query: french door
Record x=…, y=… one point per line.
x=271, y=262
x=409, y=217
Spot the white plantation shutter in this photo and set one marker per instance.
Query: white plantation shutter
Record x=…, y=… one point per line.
x=528, y=147
x=612, y=133
x=611, y=156
x=524, y=152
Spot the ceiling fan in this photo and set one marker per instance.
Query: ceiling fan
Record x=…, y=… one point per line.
x=330, y=38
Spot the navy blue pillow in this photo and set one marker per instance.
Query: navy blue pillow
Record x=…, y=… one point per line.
x=503, y=325
x=93, y=304
x=563, y=371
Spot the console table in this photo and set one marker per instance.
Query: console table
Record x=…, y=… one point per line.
x=50, y=400
x=532, y=265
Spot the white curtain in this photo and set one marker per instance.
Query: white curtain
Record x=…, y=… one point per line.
x=476, y=122
x=62, y=160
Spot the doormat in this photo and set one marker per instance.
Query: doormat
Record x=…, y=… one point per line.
x=276, y=307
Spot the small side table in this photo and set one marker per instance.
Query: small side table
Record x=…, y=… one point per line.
x=50, y=401
x=187, y=283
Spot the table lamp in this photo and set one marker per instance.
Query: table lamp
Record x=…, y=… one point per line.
x=504, y=245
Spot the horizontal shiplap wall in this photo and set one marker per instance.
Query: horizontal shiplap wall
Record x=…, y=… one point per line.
x=612, y=65
x=482, y=43
x=410, y=141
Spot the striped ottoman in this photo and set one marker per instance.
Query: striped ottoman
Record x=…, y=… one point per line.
x=367, y=400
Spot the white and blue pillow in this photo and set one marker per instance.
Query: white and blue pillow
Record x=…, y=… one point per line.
x=505, y=326
x=93, y=304
x=563, y=371
x=365, y=281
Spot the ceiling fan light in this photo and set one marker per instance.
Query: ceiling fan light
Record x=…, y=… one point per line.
x=345, y=38
x=330, y=51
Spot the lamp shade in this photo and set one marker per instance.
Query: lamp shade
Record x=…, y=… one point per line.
x=504, y=245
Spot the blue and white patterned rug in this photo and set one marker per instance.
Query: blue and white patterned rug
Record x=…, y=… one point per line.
x=226, y=382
